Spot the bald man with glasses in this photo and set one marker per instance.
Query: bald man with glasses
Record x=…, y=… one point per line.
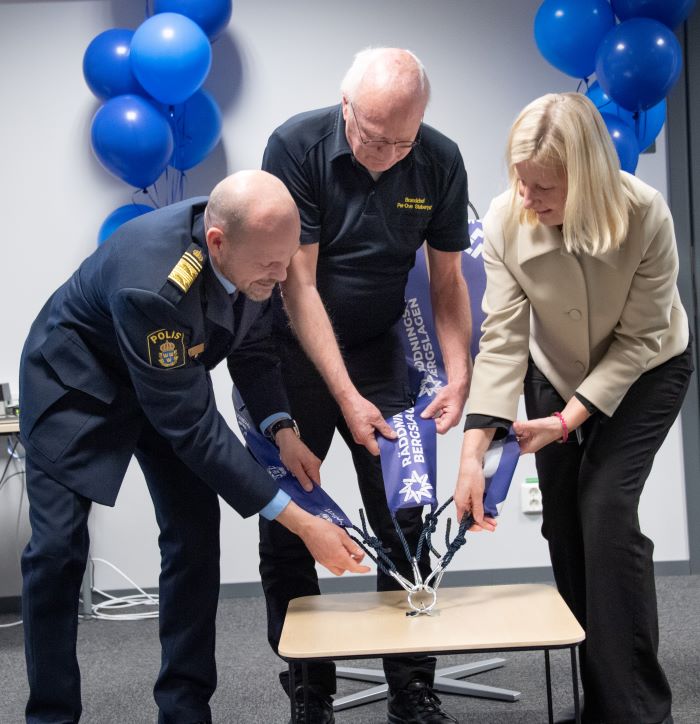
x=372, y=183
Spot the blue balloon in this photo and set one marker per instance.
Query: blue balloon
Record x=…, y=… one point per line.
x=568, y=32
x=625, y=142
x=638, y=62
x=106, y=64
x=646, y=124
x=170, y=57
x=212, y=16
x=118, y=217
x=196, y=126
x=668, y=12
x=132, y=140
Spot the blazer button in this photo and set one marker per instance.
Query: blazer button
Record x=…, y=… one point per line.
x=580, y=366
x=575, y=314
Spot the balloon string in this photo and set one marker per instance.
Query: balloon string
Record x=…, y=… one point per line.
x=151, y=198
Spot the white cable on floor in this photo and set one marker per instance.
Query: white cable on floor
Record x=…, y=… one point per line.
x=9, y=625
x=112, y=603
x=99, y=610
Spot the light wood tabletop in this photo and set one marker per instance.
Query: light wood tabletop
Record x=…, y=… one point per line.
x=498, y=618
x=8, y=425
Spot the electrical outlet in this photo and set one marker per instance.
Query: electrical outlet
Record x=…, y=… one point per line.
x=530, y=496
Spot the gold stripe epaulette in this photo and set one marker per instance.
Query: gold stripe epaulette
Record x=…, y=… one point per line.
x=187, y=268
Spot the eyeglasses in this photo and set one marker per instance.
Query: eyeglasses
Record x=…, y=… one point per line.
x=401, y=145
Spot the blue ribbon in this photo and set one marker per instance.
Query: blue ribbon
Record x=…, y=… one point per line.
x=409, y=462
x=317, y=502
x=500, y=462
x=502, y=456
x=475, y=274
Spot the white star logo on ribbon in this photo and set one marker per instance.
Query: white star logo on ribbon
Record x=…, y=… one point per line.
x=429, y=385
x=277, y=471
x=424, y=489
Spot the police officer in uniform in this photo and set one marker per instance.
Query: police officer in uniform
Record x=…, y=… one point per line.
x=117, y=363
x=372, y=183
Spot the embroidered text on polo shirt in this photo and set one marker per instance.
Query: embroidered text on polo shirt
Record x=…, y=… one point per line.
x=412, y=202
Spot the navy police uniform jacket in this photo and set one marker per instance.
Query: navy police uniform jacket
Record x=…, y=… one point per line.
x=128, y=341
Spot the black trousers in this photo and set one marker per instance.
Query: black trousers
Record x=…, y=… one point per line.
x=287, y=569
x=602, y=561
x=53, y=563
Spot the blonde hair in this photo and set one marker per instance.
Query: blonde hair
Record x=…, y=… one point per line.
x=565, y=131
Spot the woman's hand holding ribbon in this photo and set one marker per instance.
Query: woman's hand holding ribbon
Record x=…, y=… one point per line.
x=469, y=491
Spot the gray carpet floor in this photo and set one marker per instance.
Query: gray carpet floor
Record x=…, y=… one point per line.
x=119, y=662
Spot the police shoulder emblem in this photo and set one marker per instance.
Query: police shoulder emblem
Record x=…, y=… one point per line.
x=187, y=268
x=166, y=348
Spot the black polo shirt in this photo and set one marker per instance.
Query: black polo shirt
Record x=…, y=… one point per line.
x=368, y=232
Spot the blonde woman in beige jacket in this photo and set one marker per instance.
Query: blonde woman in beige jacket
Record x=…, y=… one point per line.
x=584, y=314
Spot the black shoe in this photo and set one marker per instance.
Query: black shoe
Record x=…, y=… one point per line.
x=417, y=704
x=320, y=706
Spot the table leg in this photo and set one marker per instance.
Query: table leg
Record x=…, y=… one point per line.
x=305, y=685
x=444, y=683
x=548, y=676
x=574, y=679
x=292, y=688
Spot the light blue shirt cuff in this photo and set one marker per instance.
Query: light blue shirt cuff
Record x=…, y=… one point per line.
x=270, y=419
x=276, y=505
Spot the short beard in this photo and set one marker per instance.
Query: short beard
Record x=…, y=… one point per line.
x=257, y=293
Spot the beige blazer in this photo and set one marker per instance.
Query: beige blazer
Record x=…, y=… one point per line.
x=591, y=324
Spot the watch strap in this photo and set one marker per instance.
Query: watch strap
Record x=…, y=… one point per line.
x=285, y=422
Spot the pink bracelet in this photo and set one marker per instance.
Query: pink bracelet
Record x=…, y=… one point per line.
x=564, y=428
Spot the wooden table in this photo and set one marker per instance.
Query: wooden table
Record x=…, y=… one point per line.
x=470, y=619
x=9, y=424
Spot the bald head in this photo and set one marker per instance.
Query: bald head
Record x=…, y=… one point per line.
x=391, y=76
x=252, y=231
x=249, y=199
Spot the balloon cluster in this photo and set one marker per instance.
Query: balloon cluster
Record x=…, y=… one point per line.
x=636, y=60
x=155, y=114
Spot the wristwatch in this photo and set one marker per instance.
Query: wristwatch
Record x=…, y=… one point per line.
x=285, y=422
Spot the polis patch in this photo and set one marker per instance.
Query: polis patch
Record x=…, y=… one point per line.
x=166, y=348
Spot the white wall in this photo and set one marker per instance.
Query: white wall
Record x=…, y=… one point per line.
x=277, y=58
